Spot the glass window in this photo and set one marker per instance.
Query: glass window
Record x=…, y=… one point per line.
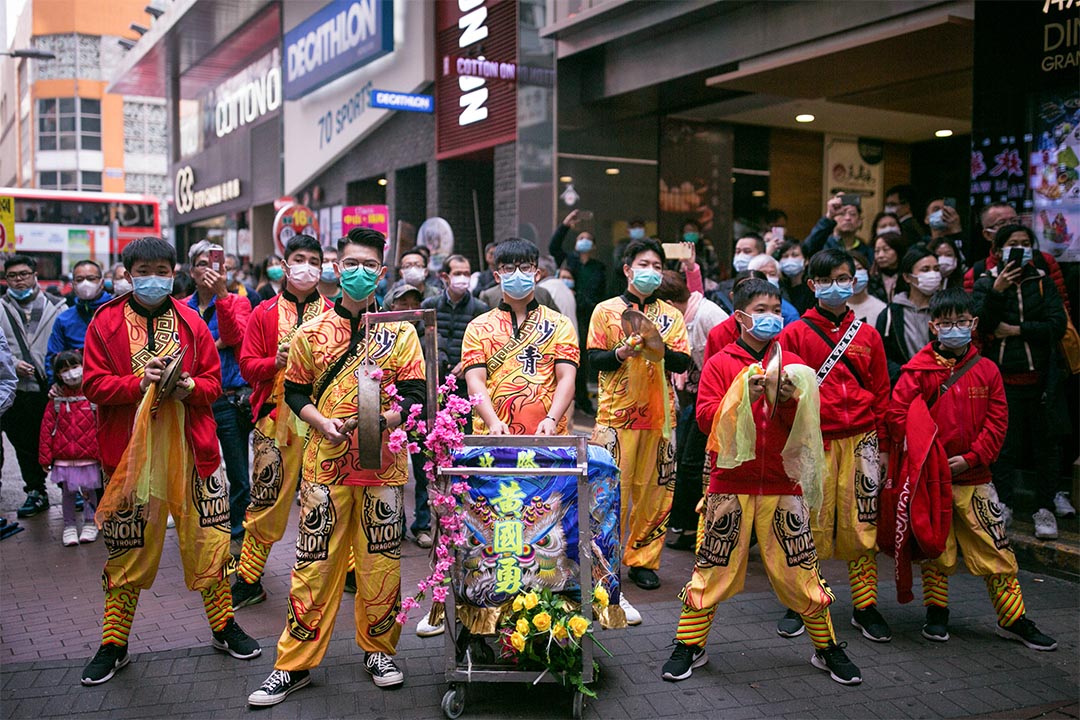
x=67, y=142
x=91, y=107
x=67, y=105
x=47, y=142
x=91, y=124
x=67, y=124
x=91, y=181
x=46, y=106
x=91, y=142
x=47, y=179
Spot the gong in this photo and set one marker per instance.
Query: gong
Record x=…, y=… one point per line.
x=368, y=405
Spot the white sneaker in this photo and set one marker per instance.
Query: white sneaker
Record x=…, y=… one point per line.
x=71, y=536
x=170, y=523
x=89, y=533
x=1062, y=506
x=1045, y=525
x=426, y=629
x=633, y=617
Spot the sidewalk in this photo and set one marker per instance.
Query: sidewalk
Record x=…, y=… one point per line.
x=51, y=615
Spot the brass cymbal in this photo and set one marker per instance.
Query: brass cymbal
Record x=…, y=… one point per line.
x=774, y=372
x=171, y=375
x=634, y=322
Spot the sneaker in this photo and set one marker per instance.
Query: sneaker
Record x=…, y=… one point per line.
x=236, y=642
x=791, y=625
x=871, y=623
x=350, y=582
x=1025, y=631
x=35, y=503
x=1045, y=525
x=245, y=593
x=70, y=538
x=89, y=533
x=278, y=686
x=1062, y=506
x=644, y=578
x=424, y=628
x=383, y=670
x=834, y=661
x=936, y=627
x=682, y=541
x=106, y=662
x=170, y=523
x=633, y=617
x=684, y=658
x=423, y=539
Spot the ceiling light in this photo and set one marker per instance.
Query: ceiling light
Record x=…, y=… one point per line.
x=943, y=133
x=758, y=193
x=382, y=181
x=612, y=171
x=804, y=118
x=565, y=178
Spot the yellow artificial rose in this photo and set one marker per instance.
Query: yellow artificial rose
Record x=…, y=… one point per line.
x=522, y=626
x=559, y=632
x=518, y=641
x=531, y=601
x=542, y=622
x=519, y=604
x=578, y=625
x=600, y=596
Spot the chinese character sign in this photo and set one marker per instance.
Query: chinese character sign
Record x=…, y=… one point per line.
x=376, y=217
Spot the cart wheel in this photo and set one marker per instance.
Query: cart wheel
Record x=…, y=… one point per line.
x=579, y=705
x=453, y=702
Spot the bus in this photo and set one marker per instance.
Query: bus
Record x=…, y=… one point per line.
x=61, y=227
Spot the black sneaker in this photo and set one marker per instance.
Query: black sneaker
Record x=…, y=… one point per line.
x=106, y=662
x=834, y=661
x=682, y=541
x=278, y=686
x=936, y=627
x=236, y=642
x=35, y=503
x=245, y=593
x=1025, y=631
x=383, y=670
x=350, y=582
x=644, y=578
x=791, y=625
x=871, y=623
x=684, y=658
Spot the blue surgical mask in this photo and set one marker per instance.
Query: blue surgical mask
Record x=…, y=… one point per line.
x=774, y=281
x=637, y=233
x=230, y=277
x=569, y=282
x=645, y=280
x=954, y=338
x=691, y=237
x=834, y=295
x=792, y=266
x=21, y=295
x=108, y=285
x=766, y=326
x=328, y=275
x=741, y=262
x=518, y=285
x=583, y=245
x=1028, y=255
x=862, y=279
x=152, y=289
x=937, y=220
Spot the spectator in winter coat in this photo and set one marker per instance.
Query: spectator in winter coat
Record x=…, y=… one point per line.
x=69, y=330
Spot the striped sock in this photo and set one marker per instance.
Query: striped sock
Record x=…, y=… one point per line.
x=1008, y=600
x=862, y=571
x=252, y=560
x=120, y=605
x=935, y=586
x=694, y=625
x=217, y=600
x=352, y=561
x=819, y=628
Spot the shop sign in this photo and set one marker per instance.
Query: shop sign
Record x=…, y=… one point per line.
x=293, y=220
x=342, y=36
x=402, y=101
x=7, y=224
x=376, y=217
x=248, y=102
x=189, y=199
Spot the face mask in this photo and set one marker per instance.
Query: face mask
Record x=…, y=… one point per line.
x=569, y=282
x=766, y=326
x=928, y=282
x=72, y=376
x=947, y=264
x=741, y=262
x=646, y=280
x=954, y=338
x=459, y=283
x=359, y=282
x=121, y=287
x=328, y=275
x=21, y=295
x=275, y=273
x=691, y=237
x=303, y=277
x=637, y=233
x=152, y=289
x=87, y=289
x=792, y=266
x=1028, y=254
x=892, y=209
x=774, y=281
x=108, y=285
x=518, y=284
x=413, y=275
x=862, y=279
x=583, y=245
x=834, y=295
x=936, y=220
x=230, y=277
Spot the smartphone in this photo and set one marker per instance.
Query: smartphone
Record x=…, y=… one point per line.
x=949, y=202
x=217, y=261
x=676, y=251
x=778, y=233
x=585, y=216
x=851, y=199
x=1016, y=257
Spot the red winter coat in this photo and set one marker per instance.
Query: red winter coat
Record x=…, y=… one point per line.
x=69, y=430
x=847, y=406
x=109, y=382
x=972, y=416
x=721, y=336
x=765, y=474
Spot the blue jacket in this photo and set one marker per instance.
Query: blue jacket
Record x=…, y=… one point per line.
x=69, y=330
x=230, y=365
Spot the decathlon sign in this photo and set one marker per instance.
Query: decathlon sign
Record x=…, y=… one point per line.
x=402, y=101
x=341, y=37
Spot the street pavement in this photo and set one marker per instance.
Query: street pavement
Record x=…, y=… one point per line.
x=50, y=626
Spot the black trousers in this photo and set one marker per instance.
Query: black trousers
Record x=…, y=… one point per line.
x=1032, y=442
x=22, y=425
x=689, y=483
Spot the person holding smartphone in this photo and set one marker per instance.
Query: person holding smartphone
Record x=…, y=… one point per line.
x=839, y=228
x=944, y=222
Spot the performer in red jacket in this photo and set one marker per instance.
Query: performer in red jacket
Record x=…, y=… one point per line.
x=853, y=376
x=967, y=401
x=757, y=495
x=160, y=453
x=278, y=446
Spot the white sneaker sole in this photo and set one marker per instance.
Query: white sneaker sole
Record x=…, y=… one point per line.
x=785, y=634
x=820, y=665
x=388, y=680
x=431, y=630
x=266, y=700
x=855, y=624
x=1002, y=632
x=119, y=665
x=935, y=638
x=223, y=647
x=698, y=662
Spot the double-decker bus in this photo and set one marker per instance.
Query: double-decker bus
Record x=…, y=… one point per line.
x=60, y=227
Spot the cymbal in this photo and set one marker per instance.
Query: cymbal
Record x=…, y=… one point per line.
x=774, y=370
x=635, y=322
x=171, y=375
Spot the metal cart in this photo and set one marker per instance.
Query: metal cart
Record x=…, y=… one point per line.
x=462, y=668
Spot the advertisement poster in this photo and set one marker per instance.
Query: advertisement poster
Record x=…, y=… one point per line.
x=376, y=217
x=855, y=165
x=695, y=178
x=292, y=220
x=1055, y=173
x=7, y=224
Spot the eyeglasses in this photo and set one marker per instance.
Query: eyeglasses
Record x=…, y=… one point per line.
x=525, y=267
x=203, y=264
x=20, y=275
x=842, y=282
x=353, y=263
x=87, y=278
x=946, y=325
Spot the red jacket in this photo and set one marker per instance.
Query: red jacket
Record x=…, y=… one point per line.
x=109, y=382
x=721, y=336
x=260, y=349
x=847, y=406
x=69, y=429
x=765, y=474
x=972, y=416
x=1052, y=269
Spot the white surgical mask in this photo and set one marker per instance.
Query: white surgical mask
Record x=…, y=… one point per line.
x=413, y=275
x=459, y=283
x=741, y=262
x=87, y=289
x=947, y=263
x=72, y=376
x=928, y=282
x=304, y=277
x=121, y=287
